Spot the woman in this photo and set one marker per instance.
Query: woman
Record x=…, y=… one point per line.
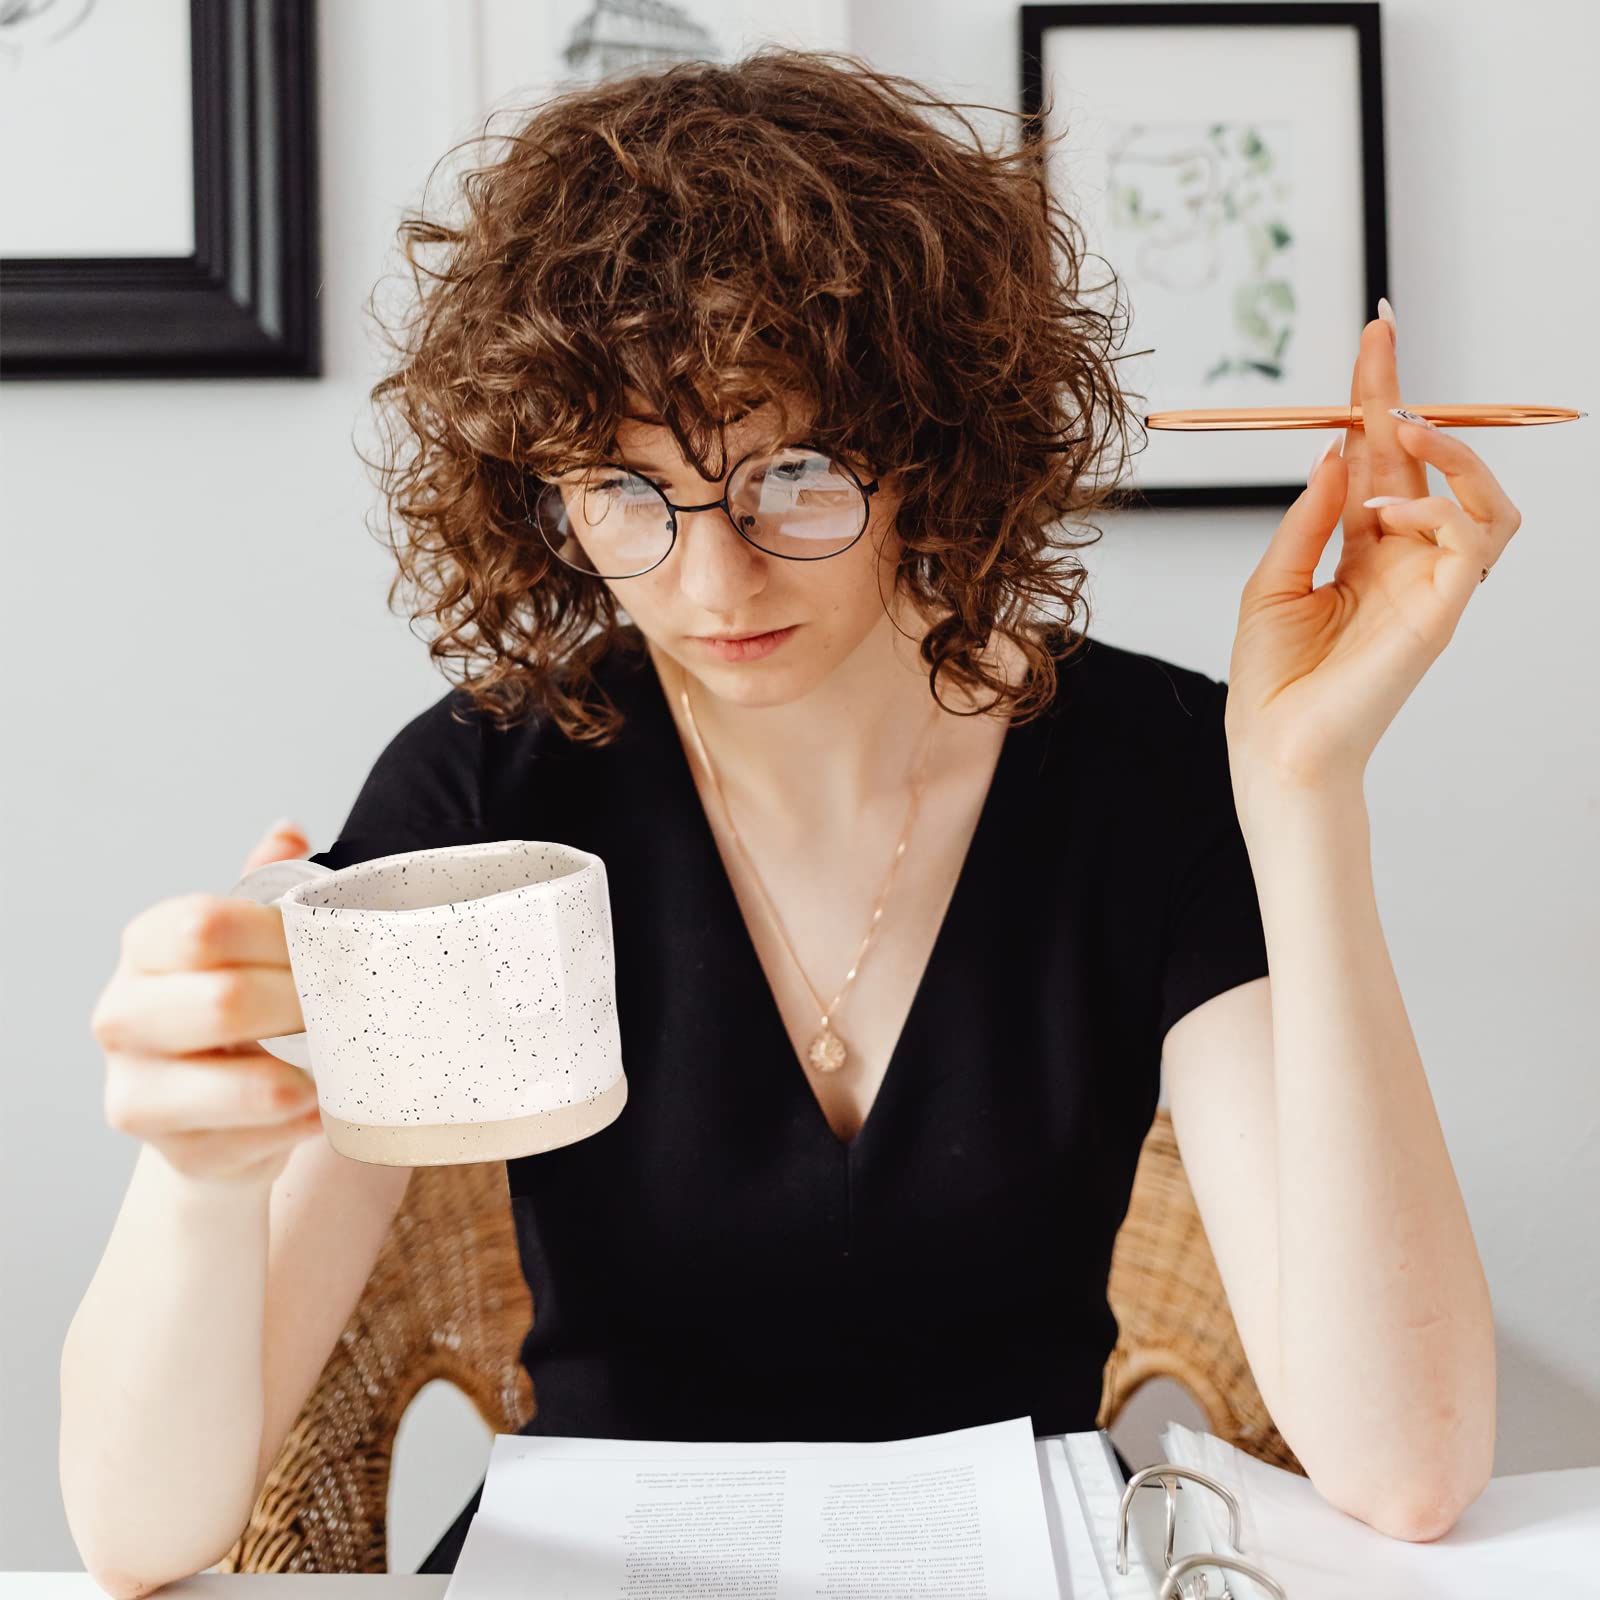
x=916, y=894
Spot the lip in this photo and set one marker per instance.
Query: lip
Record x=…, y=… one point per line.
x=751, y=647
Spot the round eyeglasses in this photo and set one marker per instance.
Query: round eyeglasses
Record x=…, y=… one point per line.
x=794, y=502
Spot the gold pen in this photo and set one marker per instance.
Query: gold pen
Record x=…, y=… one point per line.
x=1350, y=417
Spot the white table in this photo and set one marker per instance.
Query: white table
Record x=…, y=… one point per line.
x=239, y=1586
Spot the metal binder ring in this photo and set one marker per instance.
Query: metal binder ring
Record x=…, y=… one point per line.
x=1164, y=1473
x=1172, y=1584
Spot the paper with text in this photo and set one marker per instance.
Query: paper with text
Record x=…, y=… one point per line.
x=948, y=1516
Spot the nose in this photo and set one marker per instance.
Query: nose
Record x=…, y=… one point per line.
x=717, y=569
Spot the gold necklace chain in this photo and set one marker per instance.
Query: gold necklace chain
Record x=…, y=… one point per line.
x=827, y=1051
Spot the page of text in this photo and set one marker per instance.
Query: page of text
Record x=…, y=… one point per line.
x=951, y=1516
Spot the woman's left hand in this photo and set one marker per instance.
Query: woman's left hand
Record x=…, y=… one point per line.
x=1317, y=674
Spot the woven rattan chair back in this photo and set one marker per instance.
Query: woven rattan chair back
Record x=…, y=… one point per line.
x=447, y=1299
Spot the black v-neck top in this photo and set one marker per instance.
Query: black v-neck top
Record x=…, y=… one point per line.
x=716, y=1264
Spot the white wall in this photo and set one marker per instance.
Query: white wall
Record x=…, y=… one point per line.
x=197, y=643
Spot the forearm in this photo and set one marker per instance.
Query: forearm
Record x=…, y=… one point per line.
x=1385, y=1331
x=161, y=1381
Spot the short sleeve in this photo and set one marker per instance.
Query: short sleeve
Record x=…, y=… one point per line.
x=1213, y=939
x=423, y=790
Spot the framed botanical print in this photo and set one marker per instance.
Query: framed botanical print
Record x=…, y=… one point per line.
x=159, y=197
x=1226, y=162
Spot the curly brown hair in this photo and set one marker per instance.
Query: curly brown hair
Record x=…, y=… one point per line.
x=711, y=237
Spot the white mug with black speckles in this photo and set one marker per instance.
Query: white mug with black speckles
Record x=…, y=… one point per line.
x=459, y=1002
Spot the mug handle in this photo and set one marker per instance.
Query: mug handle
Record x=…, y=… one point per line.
x=267, y=885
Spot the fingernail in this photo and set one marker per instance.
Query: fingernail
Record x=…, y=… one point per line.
x=1385, y=500
x=1327, y=450
x=1386, y=311
x=286, y=825
x=1411, y=416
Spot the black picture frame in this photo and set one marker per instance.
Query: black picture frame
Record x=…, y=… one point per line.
x=244, y=303
x=1360, y=15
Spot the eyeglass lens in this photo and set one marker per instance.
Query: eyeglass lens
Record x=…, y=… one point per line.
x=614, y=523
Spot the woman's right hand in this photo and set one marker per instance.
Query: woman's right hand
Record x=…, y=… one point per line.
x=201, y=978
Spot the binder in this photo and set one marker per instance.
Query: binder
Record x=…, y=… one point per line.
x=1177, y=1570
x=1114, y=1541
x=1209, y=1513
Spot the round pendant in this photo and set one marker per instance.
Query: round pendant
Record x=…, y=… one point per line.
x=827, y=1051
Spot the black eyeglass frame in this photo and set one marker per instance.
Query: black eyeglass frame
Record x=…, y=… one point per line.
x=867, y=491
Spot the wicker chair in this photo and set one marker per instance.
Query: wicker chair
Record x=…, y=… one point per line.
x=447, y=1300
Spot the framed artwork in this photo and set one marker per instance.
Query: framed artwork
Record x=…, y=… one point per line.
x=1226, y=162
x=159, y=205
x=529, y=51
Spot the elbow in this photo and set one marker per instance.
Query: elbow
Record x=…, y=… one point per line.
x=1423, y=1505
x=122, y=1585
x=119, y=1578
x=1414, y=1478
x=1421, y=1513
x=122, y=1573
x=122, y=1581
x=1420, y=1493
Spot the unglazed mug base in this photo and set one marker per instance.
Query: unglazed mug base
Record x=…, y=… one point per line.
x=441, y=1144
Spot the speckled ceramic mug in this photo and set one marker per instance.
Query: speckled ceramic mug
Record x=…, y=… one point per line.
x=460, y=1002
